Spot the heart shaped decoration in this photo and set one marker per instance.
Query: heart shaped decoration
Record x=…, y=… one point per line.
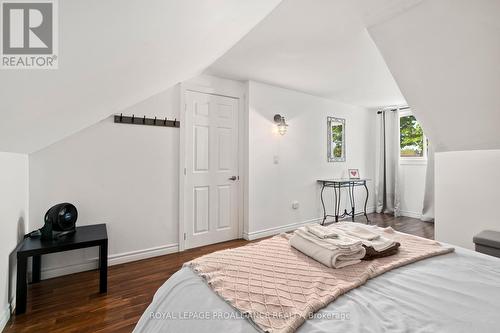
x=354, y=173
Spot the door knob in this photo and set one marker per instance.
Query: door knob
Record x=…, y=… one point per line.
x=232, y=178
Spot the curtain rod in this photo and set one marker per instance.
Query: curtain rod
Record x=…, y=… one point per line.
x=396, y=109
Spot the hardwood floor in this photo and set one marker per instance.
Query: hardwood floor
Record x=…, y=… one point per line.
x=72, y=303
x=404, y=224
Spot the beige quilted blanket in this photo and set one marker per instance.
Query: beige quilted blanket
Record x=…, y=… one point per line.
x=278, y=287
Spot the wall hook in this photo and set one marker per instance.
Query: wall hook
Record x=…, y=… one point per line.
x=120, y=118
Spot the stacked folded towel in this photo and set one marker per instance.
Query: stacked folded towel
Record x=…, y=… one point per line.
x=371, y=253
x=355, y=230
x=342, y=244
x=320, y=231
x=370, y=238
x=335, y=252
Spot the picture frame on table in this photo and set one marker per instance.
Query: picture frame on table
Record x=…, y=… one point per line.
x=353, y=173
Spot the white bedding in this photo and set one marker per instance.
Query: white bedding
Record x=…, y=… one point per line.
x=456, y=292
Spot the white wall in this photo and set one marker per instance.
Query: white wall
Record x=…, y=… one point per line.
x=467, y=195
x=127, y=176
x=412, y=181
x=302, y=155
x=131, y=52
x=13, y=220
x=123, y=175
x=445, y=57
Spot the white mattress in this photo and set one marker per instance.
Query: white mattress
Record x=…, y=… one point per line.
x=456, y=292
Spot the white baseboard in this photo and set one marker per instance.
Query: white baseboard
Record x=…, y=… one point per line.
x=4, y=317
x=122, y=258
x=406, y=213
x=115, y=259
x=288, y=227
x=277, y=230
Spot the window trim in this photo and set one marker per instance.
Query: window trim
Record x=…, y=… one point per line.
x=411, y=160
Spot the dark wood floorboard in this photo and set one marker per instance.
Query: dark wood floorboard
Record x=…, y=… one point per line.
x=71, y=303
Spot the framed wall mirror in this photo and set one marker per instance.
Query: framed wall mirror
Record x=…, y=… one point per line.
x=336, y=139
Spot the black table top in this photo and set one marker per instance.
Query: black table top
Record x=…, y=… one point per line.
x=85, y=236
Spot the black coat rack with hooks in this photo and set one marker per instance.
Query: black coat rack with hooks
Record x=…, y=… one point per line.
x=133, y=120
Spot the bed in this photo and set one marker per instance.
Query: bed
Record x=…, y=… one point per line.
x=454, y=292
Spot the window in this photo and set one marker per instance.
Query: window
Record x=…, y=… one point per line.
x=412, y=141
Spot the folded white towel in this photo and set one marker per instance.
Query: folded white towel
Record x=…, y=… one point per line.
x=379, y=244
x=354, y=229
x=332, y=258
x=343, y=241
x=321, y=231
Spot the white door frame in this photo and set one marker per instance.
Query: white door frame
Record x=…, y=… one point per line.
x=233, y=93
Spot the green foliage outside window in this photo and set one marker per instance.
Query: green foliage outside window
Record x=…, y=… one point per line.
x=337, y=140
x=411, y=137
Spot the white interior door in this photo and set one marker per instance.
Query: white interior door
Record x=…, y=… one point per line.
x=212, y=180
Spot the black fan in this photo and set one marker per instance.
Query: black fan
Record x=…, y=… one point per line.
x=60, y=220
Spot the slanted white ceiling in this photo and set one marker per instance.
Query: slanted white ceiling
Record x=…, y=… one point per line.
x=321, y=47
x=445, y=56
x=114, y=54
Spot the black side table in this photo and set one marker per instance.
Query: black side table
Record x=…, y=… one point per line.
x=85, y=236
x=337, y=185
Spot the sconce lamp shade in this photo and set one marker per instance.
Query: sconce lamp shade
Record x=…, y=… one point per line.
x=281, y=124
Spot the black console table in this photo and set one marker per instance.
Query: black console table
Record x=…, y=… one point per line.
x=337, y=185
x=85, y=236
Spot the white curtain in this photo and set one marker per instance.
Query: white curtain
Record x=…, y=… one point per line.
x=428, y=207
x=387, y=194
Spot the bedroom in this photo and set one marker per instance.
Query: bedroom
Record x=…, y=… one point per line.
x=64, y=137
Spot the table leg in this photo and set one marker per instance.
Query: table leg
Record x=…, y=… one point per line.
x=366, y=202
x=337, y=202
x=103, y=267
x=351, y=199
x=36, y=269
x=22, y=284
x=323, y=204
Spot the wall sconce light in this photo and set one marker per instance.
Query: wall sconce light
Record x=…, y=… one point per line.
x=280, y=123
